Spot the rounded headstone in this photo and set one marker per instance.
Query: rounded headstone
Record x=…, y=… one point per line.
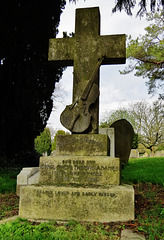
x=124, y=135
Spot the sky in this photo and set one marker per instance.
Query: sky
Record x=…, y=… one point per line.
x=116, y=90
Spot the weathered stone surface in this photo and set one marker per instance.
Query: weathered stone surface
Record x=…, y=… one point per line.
x=82, y=145
x=152, y=154
x=84, y=51
x=158, y=154
x=81, y=182
x=110, y=133
x=124, y=135
x=79, y=170
x=134, y=153
x=27, y=176
x=11, y=219
x=115, y=203
x=128, y=234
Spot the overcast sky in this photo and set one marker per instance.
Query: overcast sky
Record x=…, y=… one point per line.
x=115, y=90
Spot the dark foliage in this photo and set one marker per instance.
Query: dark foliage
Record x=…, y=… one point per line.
x=26, y=78
x=128, y=5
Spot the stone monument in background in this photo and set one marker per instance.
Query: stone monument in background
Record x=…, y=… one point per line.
x=82, y=182
x=124, y=135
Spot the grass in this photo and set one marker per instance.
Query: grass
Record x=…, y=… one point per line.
x=151, y=172
x=152, y=223
x=8, y=180
x=144, y=170
x=23, y=229
x=147, y=177
x=8, y=205
x=149, y=199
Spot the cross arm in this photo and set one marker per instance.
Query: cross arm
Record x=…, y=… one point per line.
x=61, y=50
x=113, y=48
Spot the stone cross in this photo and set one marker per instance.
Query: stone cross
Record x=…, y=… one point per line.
x=86, y=51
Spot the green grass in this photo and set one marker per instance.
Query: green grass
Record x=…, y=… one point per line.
x=147, y=175
x=8, y=178
x=22, y=229
x=153, y=223
x=150, y=210
x=137, y=170
x=150, y=171
x=144, y=170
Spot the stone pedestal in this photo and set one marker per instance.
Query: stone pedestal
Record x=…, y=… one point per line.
x=79, y=170
x=114, y=203
x=84, y=187
x=83, y=145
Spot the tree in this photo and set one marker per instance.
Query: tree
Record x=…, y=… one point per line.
x=128, y=5
x=27, y=79
x=114, y=115
x=147, y=54
x=118, y=114
x=146, y=119
x=43, y=142
x=150, y=123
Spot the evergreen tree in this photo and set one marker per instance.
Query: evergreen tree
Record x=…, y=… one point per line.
x=128, y=5
x=147, y=54
x=43, y=142
x=27, y=79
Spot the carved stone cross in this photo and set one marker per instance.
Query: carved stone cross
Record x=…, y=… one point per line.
x=86, y=51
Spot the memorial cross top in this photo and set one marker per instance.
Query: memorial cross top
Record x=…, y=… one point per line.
x=86, y=51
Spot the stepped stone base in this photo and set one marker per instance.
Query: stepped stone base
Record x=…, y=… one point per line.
x=83, y=145
x=115, y=203
x=79, y=170
x=82, y=182
x=27, y=176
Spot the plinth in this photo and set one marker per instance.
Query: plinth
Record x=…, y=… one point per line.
x=80, y=183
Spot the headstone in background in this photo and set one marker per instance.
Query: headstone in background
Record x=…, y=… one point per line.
x=134, y=153
x=124, y=135
x=111, y=135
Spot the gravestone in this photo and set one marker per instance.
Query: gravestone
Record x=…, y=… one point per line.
x=86, y=52
x=124, y=135
x=110, y=133
x=82, y=181
x=134, y=153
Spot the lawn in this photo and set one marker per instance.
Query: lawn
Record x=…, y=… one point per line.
x=147, y=177
x=149, y=170
x=8, y=178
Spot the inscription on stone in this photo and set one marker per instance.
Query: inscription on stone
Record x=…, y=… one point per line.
x=78, y=171
x=52, y=194
x=82, y=181
x=46, y=192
